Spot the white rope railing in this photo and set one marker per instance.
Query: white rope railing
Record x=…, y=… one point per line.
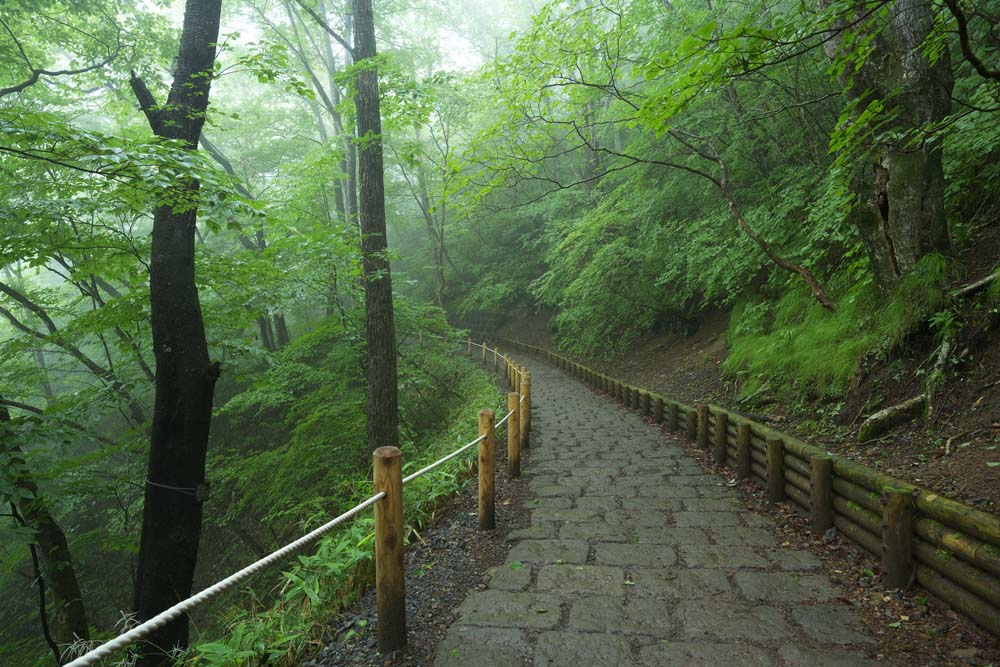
x=184, y=606
x=458, y=452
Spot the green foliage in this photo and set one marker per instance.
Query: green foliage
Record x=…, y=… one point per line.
x=800, y=348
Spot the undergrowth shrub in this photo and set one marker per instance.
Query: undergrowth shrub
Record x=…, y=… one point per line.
x=312, y=464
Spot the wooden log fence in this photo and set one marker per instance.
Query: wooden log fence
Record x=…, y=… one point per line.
x=949, y=548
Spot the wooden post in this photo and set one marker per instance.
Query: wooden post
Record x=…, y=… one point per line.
x=775, y=470
x=692, y=425
x=897, y=538
x=658, y=410
x=496, y=360
x=743, y=459
x=390, y=588
x=484, y=353
x=644, y=404
x=487, y=471
x=721, y=435
x=703, y=426
x=673, y=416
x=821, y=498
x=525, y=408
x=468, y=342
x=513, y=436
x=420, y=340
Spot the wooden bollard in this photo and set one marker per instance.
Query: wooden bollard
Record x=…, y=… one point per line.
x=390, y=584
x=525, y=408
x=743, y=459
x=636, y=399
x=496, y=360
x=513, y=436
x=484, y=353
x=897, y=538
x=487, y=471
x=775, y=470
x=703, y=426
x=691, y=431
x=673, y=416
x=721, y=436
x=644, y=404
x=468, y=342
x=821, y=496
x=658, y=410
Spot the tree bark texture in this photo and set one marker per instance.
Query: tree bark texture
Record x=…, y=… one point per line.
x=69, y=615
x=383, y=429
x=899, y=187
x=185, y=377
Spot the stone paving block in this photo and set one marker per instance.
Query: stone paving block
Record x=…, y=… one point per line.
x=827, y=623
x=577, y=649
x=507, y=609
x=653, y=504
x=737, y=535
x=783, y=587
x=635, y=555
x=706, y=519
x=715, y=492
x=591, y=530
x=538, y=531
x=549, y=551
x=671, y=535
x=721, y=556
x=550, y=502
x=558, y=490
x=666, y=491
x=797, y=656
x=757, y=520
x=649, y=616
x=794, y=559
x=597, y=614
x=710, y=505
x=637, y=517
x=510, y=577
x=592, y=579
x=483, y=647
x=694, y=480
x=731, y=621
x=547, y=514
x=597, y=503
x=680, y=583
x=704, y=654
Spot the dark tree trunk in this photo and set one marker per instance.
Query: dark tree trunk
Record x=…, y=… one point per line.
x=281, y=328
x=383, y=429
x=900, y=211
x=264, y=330
x=69, y=620
x=185, y=377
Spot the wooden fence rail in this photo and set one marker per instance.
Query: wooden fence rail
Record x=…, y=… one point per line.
x=949, y=548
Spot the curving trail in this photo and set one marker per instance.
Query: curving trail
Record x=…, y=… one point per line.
x=636, y=557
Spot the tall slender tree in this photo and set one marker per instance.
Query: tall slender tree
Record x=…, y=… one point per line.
x=185, y=376
x=382, y=410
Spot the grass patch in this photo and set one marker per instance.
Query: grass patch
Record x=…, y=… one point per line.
x=798, y=347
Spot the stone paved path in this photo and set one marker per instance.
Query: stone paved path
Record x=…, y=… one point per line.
x=636, y=557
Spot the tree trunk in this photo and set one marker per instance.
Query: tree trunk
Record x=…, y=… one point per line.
x=69, y=621
x=380, y=330
x=264, y=330
x=281, y=329
x=185, y=377
x=900, y=211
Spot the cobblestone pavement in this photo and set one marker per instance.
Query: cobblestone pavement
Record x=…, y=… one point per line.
x=636, y=557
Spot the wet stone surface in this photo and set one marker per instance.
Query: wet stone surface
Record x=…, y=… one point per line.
x=636, y=557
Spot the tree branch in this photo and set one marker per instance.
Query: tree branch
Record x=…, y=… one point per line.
x=326, y=26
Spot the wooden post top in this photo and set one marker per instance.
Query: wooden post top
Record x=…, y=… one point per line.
x=387, y=453
x=486, y=414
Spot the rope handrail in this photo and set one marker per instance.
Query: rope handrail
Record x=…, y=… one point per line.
x=441, y=461
x=138, y=632
x=184, y=606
